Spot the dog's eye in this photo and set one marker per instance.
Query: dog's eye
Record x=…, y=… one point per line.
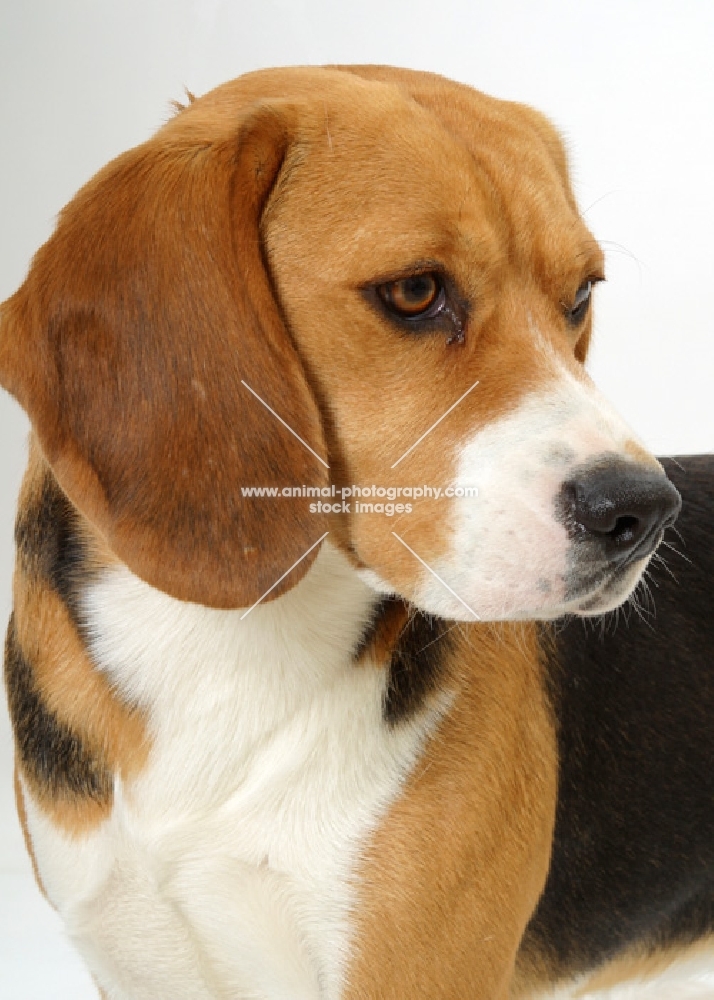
x=418, y=297
x=577, y=312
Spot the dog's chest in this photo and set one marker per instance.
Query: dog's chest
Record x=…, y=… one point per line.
x=270, y=765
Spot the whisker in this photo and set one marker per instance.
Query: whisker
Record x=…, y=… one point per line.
x=661, y=561
x=679, y=534
x=678, y=553
x=598, y=200
x=645, y=582
x=612, y=247
x=639, y=609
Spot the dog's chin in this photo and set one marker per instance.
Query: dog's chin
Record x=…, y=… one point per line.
x=592, y=593
x=593, y=597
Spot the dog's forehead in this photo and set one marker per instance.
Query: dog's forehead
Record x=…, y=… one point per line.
x=374, y=194
x=377, y=109
x=384, y=181
x=499, y=134
x=412, y=165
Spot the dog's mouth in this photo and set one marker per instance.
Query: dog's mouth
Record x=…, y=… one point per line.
x=606, y=590
x=596, y=590
x=593, y=593
x=594, y=586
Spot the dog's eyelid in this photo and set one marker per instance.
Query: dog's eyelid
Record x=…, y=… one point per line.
x=592, y=280
x=426, y=265
x=588, y=283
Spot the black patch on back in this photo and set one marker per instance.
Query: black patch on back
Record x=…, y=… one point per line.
x=633, y=855
x=417, y=658
x=50, y=545
x=52, y=756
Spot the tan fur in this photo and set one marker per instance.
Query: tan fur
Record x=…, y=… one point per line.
x=388, y=628
x=99, y=555
x=535, y=973
x=80, y=697
x=452, y=875
x=66, y=680
x=639, y=454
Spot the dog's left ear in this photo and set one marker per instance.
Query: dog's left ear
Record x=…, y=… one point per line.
x=134, y=344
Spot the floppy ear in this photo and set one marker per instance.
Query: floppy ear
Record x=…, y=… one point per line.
x=128, y=346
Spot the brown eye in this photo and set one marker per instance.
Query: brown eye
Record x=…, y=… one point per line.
x=420, y=296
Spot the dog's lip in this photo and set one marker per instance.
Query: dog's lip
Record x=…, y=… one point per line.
x=605, y=585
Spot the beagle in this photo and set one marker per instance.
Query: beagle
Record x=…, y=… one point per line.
x=314, y=463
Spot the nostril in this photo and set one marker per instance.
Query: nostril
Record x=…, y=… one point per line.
x=602, y=518
x=626, y=531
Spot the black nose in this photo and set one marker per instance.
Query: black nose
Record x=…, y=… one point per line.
x=625, y=507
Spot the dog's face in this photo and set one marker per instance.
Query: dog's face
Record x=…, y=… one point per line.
x=454, y=254
x=422, y=245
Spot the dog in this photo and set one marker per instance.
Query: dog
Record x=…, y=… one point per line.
x=276, y=736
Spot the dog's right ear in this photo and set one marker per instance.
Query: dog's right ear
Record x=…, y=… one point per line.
x=134, y=344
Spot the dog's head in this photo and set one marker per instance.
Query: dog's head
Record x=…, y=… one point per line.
x=369, y=269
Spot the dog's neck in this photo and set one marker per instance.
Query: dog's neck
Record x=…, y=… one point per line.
x=227, y=681
x=149, y=644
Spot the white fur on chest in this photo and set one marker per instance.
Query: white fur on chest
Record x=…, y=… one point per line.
x=230, y=862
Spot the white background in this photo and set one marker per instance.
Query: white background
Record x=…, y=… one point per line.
x=630, y=84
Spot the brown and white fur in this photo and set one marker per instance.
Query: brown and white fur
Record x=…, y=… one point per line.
x=349, y=789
